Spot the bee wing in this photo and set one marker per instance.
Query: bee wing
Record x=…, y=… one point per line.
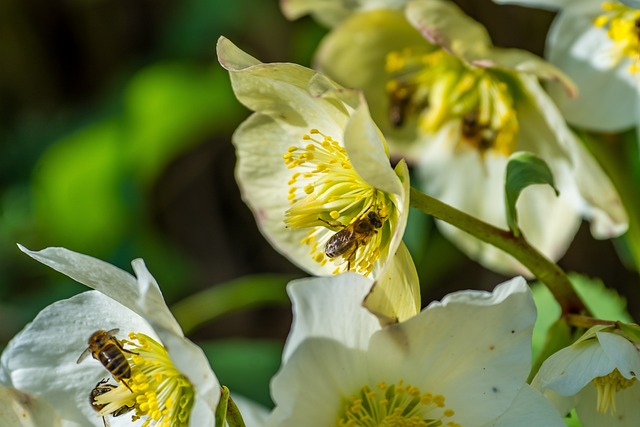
x=113, y=331
x=83, y=355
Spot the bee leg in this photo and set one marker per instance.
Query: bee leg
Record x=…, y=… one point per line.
x=105, y=422
x=127, y=385
x=331, y=225
x=121, y=347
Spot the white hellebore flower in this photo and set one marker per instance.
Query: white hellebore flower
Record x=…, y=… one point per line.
x=314, y=168
x=597, y=43
x=19, y=409
x=598, y=375
x=456, y=107
x=460, y=362
x=170, y=384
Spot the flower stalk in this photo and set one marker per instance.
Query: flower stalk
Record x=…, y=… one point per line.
x=546, y=271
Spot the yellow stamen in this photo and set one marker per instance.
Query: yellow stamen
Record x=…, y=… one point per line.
x=335, y=199
x=395, y=405
x=157, y=391
x=435, y=88
x=622, y=24
x=607, y=386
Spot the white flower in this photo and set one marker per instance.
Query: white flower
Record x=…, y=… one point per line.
x=598, y=374
x=456, y=107
x=314, y=169
x=178, y=388
x=596, y=43
x=460, y=362
x=19, y=409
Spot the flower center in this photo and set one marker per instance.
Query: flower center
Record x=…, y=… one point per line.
x=437, y=87
x=347, y=217
x=623, y=28
x=607, y=387
x=156, y=391
x=395, y=405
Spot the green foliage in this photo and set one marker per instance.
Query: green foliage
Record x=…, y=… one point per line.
x=78, y=189
x=170, y=107
x=245, y=366
x=524, y=169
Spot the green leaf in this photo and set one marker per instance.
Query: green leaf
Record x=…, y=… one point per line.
x=524, y=169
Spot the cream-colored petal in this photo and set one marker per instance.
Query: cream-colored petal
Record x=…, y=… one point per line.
x=608, y=99
x=19, y=409
x=622, y=352
x=474, y=183
x=280, y=90
x=442, y=23
x=333, y=12
x=365, y=146
x=528, y=409
x=322, y=306
x=41, y=359
x=395, y=296
x=570, y=369
x=111, y=281
x=309, y=389
x=626, y=415
x=577, y=173
x=473, y=346
x=260, y=142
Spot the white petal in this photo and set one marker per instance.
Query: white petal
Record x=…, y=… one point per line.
x=627, y=413
x=472, y=347
x=142, y=296
x=262, y=176
x=570, y=369
x=548, y=222
x=366, y=149
x=42, y=358
x=322, y=306
x=529, y=409
x=578, y=176
x=191, y=361
x=19, y=409
x=622, y=353
x=151, y=302
x=608, y=99
x=309, y=389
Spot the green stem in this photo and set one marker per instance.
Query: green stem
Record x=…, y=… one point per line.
x=245, y=292
x=546, y=271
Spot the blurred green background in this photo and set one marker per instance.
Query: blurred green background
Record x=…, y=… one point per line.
x=115, y=127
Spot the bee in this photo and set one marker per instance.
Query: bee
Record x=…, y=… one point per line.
x=101, y=388
x=105, y=347
x=345, y=242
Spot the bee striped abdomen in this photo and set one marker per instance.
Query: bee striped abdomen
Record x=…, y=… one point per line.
x=114, y=361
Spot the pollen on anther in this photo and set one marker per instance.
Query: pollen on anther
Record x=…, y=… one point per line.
x=334, y=214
